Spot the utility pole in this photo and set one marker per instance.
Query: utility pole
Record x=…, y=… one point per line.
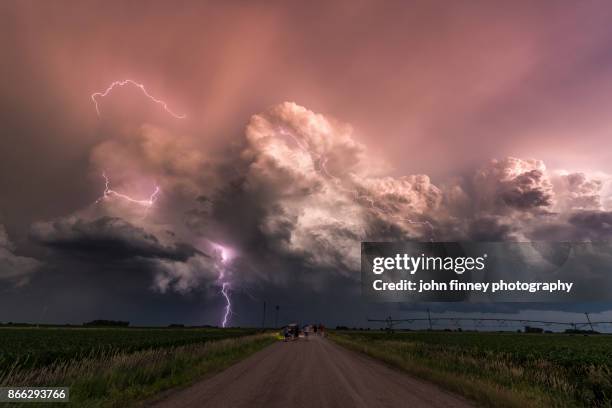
x=589, y=320
x=276, y=317
x=389, y=324
x=429, y=318
x=263, y=320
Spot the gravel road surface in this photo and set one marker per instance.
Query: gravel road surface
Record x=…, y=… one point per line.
x=309, y=374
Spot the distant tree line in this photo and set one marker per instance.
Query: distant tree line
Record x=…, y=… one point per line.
x=106, y=323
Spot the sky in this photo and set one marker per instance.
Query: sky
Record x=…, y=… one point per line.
x=308, y=128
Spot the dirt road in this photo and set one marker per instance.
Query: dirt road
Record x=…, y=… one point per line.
x=311, y=373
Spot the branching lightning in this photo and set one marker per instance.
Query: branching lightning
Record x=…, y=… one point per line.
x=320, y=165
x=109, y=192
x=124, y=82
x=148, y=203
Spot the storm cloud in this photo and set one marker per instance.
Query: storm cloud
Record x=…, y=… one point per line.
x=110, y=240
x=14, y=268
x=301, y=195
x=493, y=128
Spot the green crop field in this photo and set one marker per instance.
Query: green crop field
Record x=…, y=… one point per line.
x=501, y=369
x=118, y=367
x=33, y=347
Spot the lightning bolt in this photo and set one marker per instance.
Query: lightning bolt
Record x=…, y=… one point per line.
x=125, y=82
x=148, y=203
x=109, y=192
x=225, y=285
x=320, y=165
x=225, y=252
x=228, y=303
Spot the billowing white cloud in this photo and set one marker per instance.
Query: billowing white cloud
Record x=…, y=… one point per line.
x=513, y=184
x=578, y=191
x=298, y=192
x=316, y=181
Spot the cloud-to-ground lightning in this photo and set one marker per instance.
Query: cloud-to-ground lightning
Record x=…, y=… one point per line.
x=225, y=284
x=320, y=165
x=147, y=203
x=125, y=82
x=109, y=192
x=228, y=303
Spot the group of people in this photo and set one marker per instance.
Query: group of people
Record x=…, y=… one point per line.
x=293, y=331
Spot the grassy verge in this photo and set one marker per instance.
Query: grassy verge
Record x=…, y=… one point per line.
x=491, y=379
x=31, y=347
x=119, y=379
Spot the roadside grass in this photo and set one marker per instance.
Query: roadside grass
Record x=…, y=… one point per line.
x=490, y=378
x=120, y=379
x=41, y=346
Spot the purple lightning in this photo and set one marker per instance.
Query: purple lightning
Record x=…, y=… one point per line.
x=108, y=192
x=226, y=255
x=108, y=90
x=228, y=306
x=320, y=165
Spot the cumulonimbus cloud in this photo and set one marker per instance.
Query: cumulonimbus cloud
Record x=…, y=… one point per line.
x=300, y=193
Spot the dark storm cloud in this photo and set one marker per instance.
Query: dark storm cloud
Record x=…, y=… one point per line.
x=14, y=268
x=293, y=210
x=577, y=226
x=598, y=223
x=523, y=193
x=490, y=229
x=293, y=198
x=171, y=265
x=295, y=194
x=107, y=237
